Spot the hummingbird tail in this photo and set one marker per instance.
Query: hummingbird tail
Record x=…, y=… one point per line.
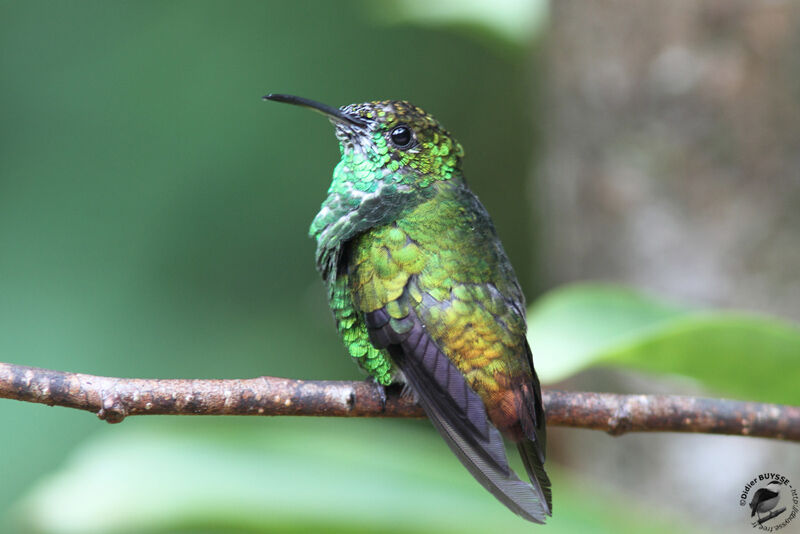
x=533, y=442
x=458, y=414
x=539, y=479
x=483, y=456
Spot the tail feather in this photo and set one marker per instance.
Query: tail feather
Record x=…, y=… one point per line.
x=523, y=499
x=535, y=469
x=458, y=413
x=534, y=439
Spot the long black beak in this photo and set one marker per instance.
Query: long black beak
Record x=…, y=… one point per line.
x=330, y=112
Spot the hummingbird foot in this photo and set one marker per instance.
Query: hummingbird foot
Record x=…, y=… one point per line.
x=381, y=391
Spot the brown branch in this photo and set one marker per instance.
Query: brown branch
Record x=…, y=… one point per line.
x=113, y=399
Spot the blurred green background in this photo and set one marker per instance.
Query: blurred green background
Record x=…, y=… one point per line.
x=153, y=223
x=154, y=211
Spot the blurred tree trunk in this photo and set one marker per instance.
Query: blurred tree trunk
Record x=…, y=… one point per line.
x=672, y=149
x=671, y=162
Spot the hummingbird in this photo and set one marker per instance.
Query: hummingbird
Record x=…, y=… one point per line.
x=423, y=294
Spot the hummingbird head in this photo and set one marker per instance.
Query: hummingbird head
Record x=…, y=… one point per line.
x=388, y=137
x=402, y=137
x=393, y=157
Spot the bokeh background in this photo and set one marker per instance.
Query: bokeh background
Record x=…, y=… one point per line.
x=154, y=215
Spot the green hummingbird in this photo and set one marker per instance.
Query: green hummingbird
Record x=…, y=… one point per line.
x=423, y=293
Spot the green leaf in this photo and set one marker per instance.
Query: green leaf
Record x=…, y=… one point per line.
x=736, y=354
x=292, y=475
x=513, y=20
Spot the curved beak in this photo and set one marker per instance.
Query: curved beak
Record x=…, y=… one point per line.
x=332, y=113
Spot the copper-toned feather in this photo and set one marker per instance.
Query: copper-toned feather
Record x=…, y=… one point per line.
x=459, y=415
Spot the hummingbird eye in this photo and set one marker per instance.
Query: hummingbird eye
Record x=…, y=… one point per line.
x=402, y=137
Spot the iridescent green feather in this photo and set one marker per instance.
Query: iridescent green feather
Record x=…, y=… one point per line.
x=350, y=324
x=443, y=259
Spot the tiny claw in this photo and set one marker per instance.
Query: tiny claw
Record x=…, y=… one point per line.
x=381, y=392
x=382, y=396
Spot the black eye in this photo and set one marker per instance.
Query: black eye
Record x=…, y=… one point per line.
x=402, y=137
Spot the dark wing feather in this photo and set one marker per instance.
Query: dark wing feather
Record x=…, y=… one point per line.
x=458, y=414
